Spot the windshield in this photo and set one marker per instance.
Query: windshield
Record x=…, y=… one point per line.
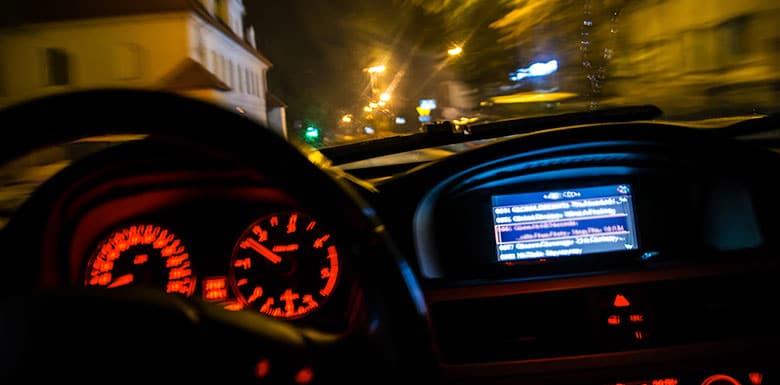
x=328, y=73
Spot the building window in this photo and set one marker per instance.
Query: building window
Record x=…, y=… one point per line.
x=252, y=84
x=734, y=38
x=220, y=7
x=230, y=75
x=257, y=86
x=240, y=80
x=222, y=69
x=127, y=61
x=214, y=63
x=246, y=79
x=698, y=46
x=57, y=67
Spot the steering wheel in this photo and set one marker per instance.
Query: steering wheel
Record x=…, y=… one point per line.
x=156, y=337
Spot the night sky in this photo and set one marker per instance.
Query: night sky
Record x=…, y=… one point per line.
x=320, y=48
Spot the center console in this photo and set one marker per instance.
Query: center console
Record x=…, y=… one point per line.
x=648, y=272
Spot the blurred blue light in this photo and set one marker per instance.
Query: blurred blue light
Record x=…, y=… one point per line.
x=536, y=69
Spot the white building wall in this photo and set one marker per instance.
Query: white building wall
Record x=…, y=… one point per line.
x=234, y=65
x=131, y=51
x=277, y=120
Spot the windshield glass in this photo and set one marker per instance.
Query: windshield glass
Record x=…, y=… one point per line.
x=327, y=73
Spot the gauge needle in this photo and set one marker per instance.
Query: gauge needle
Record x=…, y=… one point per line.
x=256, y=246
x=121, y=281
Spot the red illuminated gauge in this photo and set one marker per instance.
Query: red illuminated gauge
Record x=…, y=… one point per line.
x=284, y=265
x=143, y=255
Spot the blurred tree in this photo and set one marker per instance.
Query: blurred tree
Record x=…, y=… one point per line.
x=515, y=33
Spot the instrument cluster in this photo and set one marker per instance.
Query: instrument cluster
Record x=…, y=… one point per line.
x=267, y=257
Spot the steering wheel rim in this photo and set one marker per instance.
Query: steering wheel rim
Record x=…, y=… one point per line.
x=398, y=314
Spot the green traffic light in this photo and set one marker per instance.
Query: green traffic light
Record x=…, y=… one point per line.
x=312, y=132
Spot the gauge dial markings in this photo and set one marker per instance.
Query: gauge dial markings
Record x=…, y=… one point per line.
x=303, y=271
x=250, y=243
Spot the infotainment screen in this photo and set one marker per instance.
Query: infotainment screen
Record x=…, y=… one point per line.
x=551, y=224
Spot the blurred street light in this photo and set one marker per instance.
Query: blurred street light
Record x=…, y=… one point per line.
x=381, y=103
x=385, y=97
x=376, y=69
x=346, y=118
x=373, y=73
x=455, y=51
x=367, y=109
x=373, y=105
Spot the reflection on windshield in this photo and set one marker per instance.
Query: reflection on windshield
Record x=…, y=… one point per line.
x=20, y=177
x=329, y=73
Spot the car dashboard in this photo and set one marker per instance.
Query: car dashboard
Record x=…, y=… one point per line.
x=573, y=257
x=595, y=260
x=198, y=229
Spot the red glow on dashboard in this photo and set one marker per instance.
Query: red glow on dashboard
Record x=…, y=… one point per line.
x=613, y=320
x=121, y=281
x=720, y=378
x=262, y=368
x=621, y=301
x=304, y=376
x=215, y=288
x=291, y=225
x=180, y=272
x=234, y=306
x=333, y=257
x=256, y=293
x=245, y=263
x=262, y=235
x=289, y=297
x=756, y=378
x=141, y=254
x=665, y=381
x=636, y=318
x=250, y=243
x=285, y=248
x=320, y=242
x=280, y=270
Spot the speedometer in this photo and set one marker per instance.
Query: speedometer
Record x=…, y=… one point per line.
x=285, y=265
x=142, y=255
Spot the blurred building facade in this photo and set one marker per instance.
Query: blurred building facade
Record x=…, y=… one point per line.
x=685, y=54
x=198, y=48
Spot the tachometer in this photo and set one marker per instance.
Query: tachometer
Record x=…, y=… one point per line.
x=144, y=255
x=285, y=265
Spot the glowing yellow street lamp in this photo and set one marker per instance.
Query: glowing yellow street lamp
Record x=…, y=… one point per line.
x=455, y=51
x=376, y=69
